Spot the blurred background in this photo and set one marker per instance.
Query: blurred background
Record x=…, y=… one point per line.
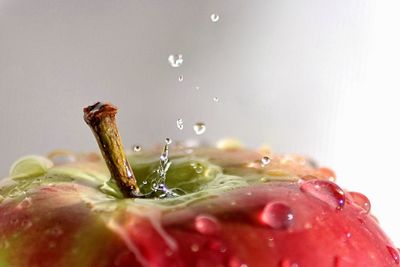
x=319, y=78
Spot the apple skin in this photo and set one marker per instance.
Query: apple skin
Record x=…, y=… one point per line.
x=61, y=218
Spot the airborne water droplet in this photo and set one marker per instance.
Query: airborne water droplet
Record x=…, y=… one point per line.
x=168, y=141
x=265, y=161
x=207, y=225
x=394, y=253
x=325, y=191
x=175, y=60
x=137, y=148
x=361, y=200
x=216, y=99
x=179, y=124
x=180, y=78
x=214, y=17
x=277, y=215
x=199, y=128
x=197, y=88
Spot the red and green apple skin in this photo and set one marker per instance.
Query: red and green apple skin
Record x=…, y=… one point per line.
x=232, y=211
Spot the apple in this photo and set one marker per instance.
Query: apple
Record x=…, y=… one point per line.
x=193, y=206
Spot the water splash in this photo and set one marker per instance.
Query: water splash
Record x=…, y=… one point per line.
x=157, y=179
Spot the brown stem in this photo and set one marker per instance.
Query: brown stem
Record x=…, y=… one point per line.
x=101, y=119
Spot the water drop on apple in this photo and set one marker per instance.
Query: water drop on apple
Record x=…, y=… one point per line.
x=207, y=225
x=361, y=200
x=325, y=191
x=277, y=215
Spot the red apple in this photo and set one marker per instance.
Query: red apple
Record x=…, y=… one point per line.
x=225, y=207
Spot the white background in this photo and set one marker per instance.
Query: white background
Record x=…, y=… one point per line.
x=314, y=77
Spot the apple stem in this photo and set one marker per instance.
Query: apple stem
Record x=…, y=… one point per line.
x=101, y=119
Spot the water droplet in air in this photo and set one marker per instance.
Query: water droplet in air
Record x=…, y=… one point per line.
x=394, y=253
x=168, y=141
x=277, y=215
x=207, y=225
x=180, y=78
x=199, y=128
x=144, y=182
x=179, y=124
x=361, y=201
x=325, y=191
x=214, y=17
x=137, y=148
x=265, y=161
x=197, y=88
x=216, y=99
x=175, y=60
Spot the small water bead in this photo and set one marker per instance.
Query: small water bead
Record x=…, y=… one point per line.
x=216, y=99
x=180, y=78
x=325, y=191
x=394, y=253
x=179, y=124
x=198, y=168
x=137, y=148
x=277, y=215
x=144, y=182
x=342, y=262
x=288, y=263
x=207, y=225
x=25, y=203
x=361, y=201
x=175, y=60
x=265, y=161
x=194, y=247
x=214, y=17
x=199, y=128
x=168, y=141
x=197, y=88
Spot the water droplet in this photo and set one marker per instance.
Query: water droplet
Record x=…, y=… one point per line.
x=198, y=168
x=207, y=225
x=249, y=193
x=180, y=78
x=179, y=124
x=194, y=248
x=271, y=242
x=288, y=263
x=199, y=128
x=197, y=88
x=265, y=161
x=343, y=262
x=137, y=148
x=214, y=17
x=394, y=253
x=26, y=224
x=168, y=141
x=25, y=203
x=144, y=182
x=175, y=60
x=325, y=191
x=277, y=215
x=216, y=99
x=361, y=201
x=55, y=231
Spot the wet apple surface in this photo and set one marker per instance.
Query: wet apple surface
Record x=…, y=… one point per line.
x=230, y=210
x=191, y=206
